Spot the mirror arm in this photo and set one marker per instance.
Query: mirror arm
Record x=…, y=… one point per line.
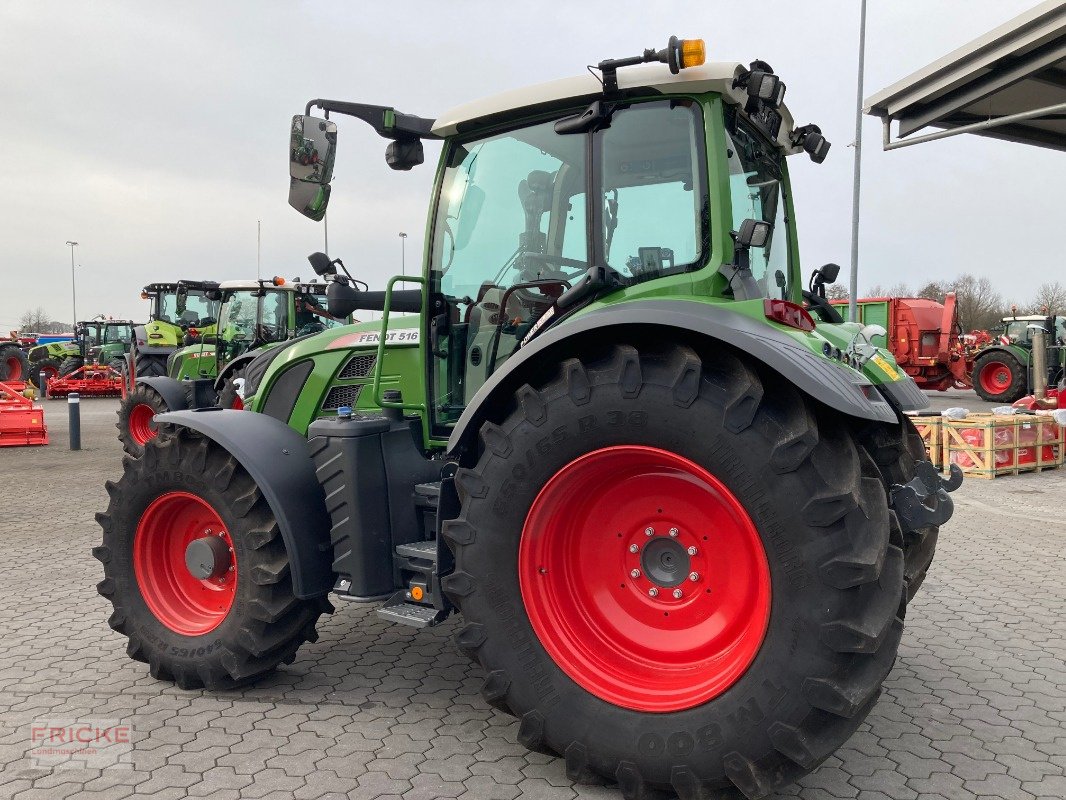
x=403, y=126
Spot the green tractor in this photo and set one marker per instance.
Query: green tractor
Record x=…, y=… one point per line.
x=96, y=341
x=180, y=313
x=254, y=316
x=680, y=519
x=1002, y=372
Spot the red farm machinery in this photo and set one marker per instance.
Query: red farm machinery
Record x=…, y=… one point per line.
x=21, y=419
x=925, y=338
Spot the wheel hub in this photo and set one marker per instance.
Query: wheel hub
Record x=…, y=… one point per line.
x=207, y=557
x=664, y=561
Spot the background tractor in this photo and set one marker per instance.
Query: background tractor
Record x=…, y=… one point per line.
x=14, y=364
x=681, y=521
x=1004, y=371
x=97, y=341
x=180, y=312
x=254, y=316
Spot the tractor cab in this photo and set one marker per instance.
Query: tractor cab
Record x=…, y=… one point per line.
x=180, y=312
x=269, y=311
x=634, y=182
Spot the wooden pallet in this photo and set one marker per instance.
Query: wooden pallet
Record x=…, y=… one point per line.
x=931, y=431
x=989, y=446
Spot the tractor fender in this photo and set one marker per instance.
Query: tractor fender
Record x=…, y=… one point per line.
x=278, y=461
x=826, y=381
x=1019, y=354
x=172, y=391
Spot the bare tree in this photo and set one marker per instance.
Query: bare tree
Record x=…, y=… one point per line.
x=1050, y=299
x=980, y=306
x=36, y=321
x=837, y=292
x=934, y=290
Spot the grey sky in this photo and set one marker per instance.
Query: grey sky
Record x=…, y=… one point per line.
x=155, y=134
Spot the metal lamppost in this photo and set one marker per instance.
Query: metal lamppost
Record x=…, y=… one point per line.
x=403, y=253
x=73, y=288
x=853, y=284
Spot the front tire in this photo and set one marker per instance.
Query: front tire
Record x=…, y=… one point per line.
x=43, y=371
x=221, y=630
x=136, y=413
x=782, y=509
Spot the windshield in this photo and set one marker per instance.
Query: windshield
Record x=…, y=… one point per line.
x=512, y=221
x=756, y=189
x=187, y=310
x=117, y=334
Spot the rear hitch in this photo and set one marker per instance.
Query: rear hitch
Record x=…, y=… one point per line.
x=908, y=500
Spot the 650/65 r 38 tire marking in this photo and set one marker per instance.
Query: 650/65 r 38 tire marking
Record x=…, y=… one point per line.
x=644, y=578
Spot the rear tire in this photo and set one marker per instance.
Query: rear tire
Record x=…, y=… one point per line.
x=820, y=513
x=14, y=366
x=135, y=415
x=998, y=377
x=69, y=364
x=186, y=487
x=150, y=366
x=896, y=450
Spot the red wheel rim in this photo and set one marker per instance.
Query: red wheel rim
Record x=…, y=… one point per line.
x=237, y=403
x=600, y=592
x=185, y=604
x=14, y=369
x=995, y=377
x=140, y=423
x=47, y=373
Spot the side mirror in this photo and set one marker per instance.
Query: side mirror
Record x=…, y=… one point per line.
x=829, y=273
x=753, y=233
x=312, y=148
x=310, y=199
x=321, y=264
x=402, y=155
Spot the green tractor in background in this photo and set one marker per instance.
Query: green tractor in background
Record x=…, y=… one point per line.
x=253, y=316
x=680, y=518
x=180, y=313
x=97, y=341
x=1002, y=372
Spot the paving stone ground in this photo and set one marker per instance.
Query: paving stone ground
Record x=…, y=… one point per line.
x=975, y=706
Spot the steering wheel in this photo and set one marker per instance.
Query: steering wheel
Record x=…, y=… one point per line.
x=822, y=307
x=581, y=267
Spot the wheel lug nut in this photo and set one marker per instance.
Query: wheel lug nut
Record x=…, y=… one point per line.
x=634, y=573
x=692, y=551
x=653, y=592
x=633, y=548
x=673, y=532
x=649, y=531
x=693, y=576
x=677, y=594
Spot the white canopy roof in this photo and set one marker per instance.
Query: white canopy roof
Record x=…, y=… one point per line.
x=1008, y=84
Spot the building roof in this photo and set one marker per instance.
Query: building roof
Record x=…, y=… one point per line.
x=711, y=77
x=1018, y=68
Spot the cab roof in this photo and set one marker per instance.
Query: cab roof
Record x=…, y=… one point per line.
x=288, y=286
x=581, y=89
